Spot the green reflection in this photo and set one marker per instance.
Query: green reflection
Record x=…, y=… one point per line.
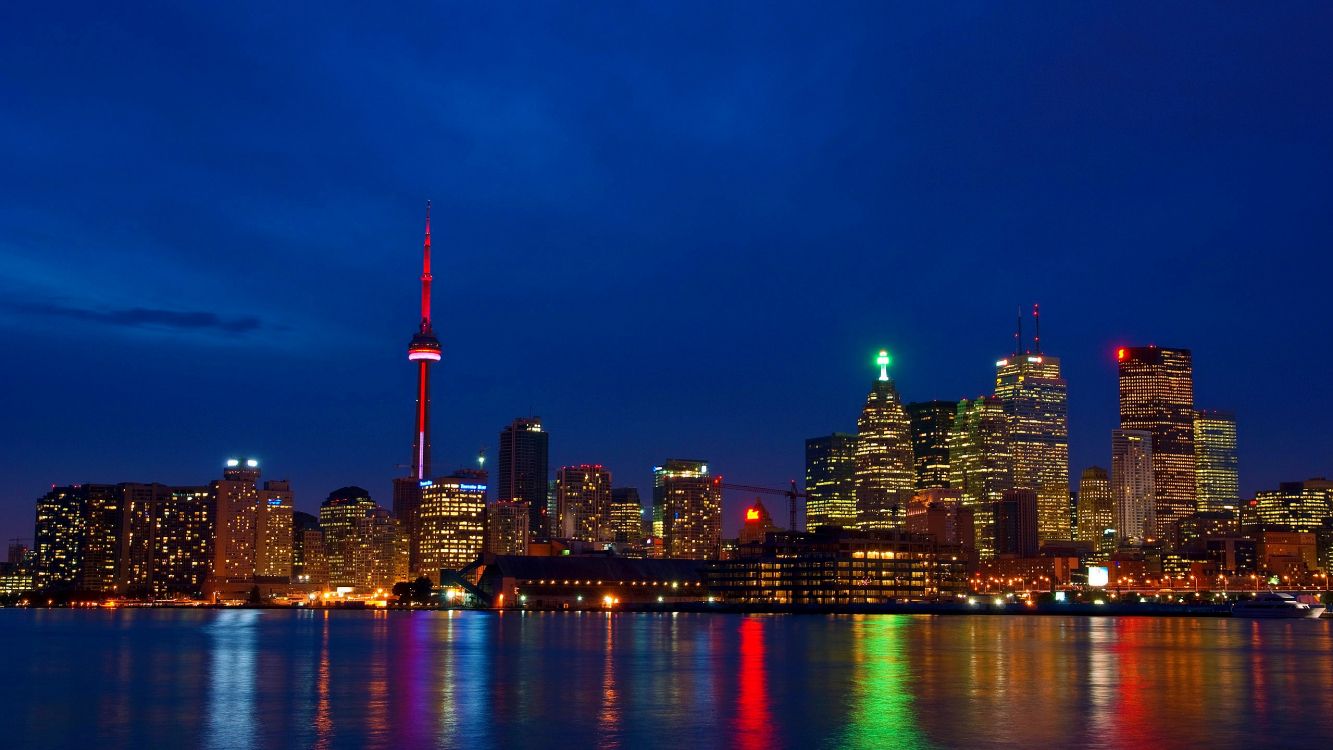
x=881, y=714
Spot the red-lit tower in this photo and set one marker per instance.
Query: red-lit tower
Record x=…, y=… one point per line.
x=423, y=350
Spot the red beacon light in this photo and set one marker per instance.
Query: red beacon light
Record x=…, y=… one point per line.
x=1121, y=353
x=752, y=514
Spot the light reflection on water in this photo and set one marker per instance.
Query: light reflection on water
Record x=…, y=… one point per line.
x=271, y=678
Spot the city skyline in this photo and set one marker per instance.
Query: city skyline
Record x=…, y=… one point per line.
x=232, y=304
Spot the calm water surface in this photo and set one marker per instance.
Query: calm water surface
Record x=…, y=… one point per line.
x=272, y=678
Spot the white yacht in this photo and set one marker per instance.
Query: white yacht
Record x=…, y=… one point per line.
x=1275, y=605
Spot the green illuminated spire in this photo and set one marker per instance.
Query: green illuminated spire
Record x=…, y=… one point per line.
x=883, y=361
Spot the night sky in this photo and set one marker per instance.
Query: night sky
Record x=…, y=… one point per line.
x=670, y=232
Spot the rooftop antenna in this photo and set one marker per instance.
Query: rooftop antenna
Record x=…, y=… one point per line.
x=1018, y=334
x=1036, y=325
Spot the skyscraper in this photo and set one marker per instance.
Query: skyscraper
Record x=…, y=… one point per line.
x=1016, y=523
x=340, y=518
x=1157, y=396
x=830, y=481
x=1034, y=397
x=523, y=469
x=689, y=502
x=308, y=562
x=78, y=537
x=451, y=522
x=423, y=349
x=252, y=528
x=627, y=516
x=931, y=421
x=583, y=503
x=507, y=527
x=1096, y=509
x=1132, y=485
x=1299, y=506
x=1215, y=462
x=885, y=471
x=980, y=464
x=168, y=540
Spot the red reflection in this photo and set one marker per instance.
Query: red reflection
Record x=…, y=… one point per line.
x=754, y=723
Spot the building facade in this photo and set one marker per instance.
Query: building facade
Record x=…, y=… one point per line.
x=583, y=503
x=1157, y=397
x=627, y=518
x=931, y=422
x=523, y=470
x=1035, y=396
x=1132, y=479
x=1096, y=510
x=1216, y=463
x=830, y=480
x=507, y=528
x=451, y=522
x=688, y=500
x=885, y=467
x=980, y=464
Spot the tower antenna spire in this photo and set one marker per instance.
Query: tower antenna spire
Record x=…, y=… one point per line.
x=1036, y=329
x=1018, y=334
x=425, y=276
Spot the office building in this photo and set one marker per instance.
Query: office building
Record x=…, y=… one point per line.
x=688, y=500
x=627, y=517
x=1217, y=479
x=980, y=464
x=1132, y=479
x=1298, y=506
x=309, y=565
x=451, y=522
x=830, y=480
x=931, y=422
x=885, y=469
x=583, y=503
x=939, y=513
x=1096, y=510
x=523, y=470
x=1157, y=397
x=341, y=518
x=1016, y=522
x=1034, y=396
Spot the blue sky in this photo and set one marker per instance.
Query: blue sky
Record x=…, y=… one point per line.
x=669, y=230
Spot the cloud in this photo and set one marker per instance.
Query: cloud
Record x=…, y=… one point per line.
x=146, y=317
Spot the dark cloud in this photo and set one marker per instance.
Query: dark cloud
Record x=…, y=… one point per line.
x=147, y=317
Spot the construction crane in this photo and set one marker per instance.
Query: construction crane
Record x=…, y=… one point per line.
x=791, y=495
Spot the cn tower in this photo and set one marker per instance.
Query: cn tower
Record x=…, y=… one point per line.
x=423, y=350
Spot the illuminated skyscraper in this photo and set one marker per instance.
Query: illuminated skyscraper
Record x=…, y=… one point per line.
x=523, y=470
x=168, y=540
x=340, y=518
x=1132, y=484
x=931, y=421
x=830, y=481
x=1034, y=396
x=252, y=528
x=1157, y=396
x=885, y=470
x=583, y=503
x=980, y=464
x=451, y=522
x=689, y=502
x=423, y=349
x=79, y=537
x=627, y=517
x=309, y=564
x=1096, y=510
x=1215, y=462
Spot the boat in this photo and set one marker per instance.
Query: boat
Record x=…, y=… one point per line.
x=1276, y=605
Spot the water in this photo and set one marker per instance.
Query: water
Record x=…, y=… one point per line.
x=273, y=678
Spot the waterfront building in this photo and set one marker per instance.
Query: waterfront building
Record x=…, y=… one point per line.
x=931, y=422
x=688, y=501
x=1034, y=396
x=507, y=528
x=627, y=518
x=523, y=470
x=78, y=537
x=1299, y=506
x=1217, y=480
x=451, y=522
x=1132, y=479
x=1016, y=523
x=835, y=566
x=168, y=541
x=1096, y=510
x=1157, y=397
x=939, y=513
x=980, y=464
x=273, y=531
x=885, y=470
x=252, y=528
x=1206, y=524
x=340, y=518
x=1285, y=552
x=583, y=503
x=830, y=480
